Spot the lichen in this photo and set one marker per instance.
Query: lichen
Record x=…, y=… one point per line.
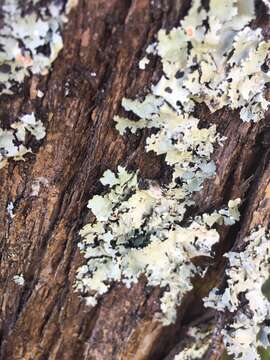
x=199, y=340
x=23, y=39
x=18, y=279
x=151, y=49
x=216, y=58
x=267, y=4
x=30, y=41
x=212, y=57
x=178, y=137
x=141, y=231
x=10, y=210
x=28, y=122
x=12, y=142
x=247, y=271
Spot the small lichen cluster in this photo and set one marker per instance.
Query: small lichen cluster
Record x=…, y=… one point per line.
x=216, y=58
x=198, y=346
x=247, y=271
x=12, y=142
x=29, y=42
x=18, y=279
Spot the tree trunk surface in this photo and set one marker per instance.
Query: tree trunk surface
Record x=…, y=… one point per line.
x=45, y=318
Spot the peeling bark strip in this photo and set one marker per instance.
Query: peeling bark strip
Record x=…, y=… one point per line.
x=43, y=200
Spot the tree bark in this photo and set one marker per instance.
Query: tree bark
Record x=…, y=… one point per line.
x=45, y=318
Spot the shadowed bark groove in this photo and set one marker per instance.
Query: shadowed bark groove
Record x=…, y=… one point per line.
x=45, y=319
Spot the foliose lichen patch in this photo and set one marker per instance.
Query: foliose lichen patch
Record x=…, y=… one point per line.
x=213, y=57
x=30, y=41
x=140, y=231
x=247, y=271
x=199, y=340
x=12, y=142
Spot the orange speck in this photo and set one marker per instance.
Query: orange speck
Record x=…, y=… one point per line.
x=25, y=60
x=189, y=31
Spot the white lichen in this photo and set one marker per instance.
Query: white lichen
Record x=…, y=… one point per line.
x=18, y=279
x=12, y=142
x=197, y=346
x=40, y=94
x=143, y=62
x=10, y=210
x=151, y=49
x=247, y=271
x=29, y=122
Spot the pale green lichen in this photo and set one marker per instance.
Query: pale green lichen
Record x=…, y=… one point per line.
x=26, y=31
x=147, y=230
x=8, y=149
x=198, y=344
x=12, y=142
x=23, y=38
x=28, y=122
x=247, y=271
x=187, y=148
x=216, y=58
x=140, y=231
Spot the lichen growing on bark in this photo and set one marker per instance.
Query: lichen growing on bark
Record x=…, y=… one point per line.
x=12, y=142
x=196, y=345
x=216, y=58
x=18, y=279
x=30, y=41
x=23, y=38
x=213, y=57
x=141, y=231
x=246, y=273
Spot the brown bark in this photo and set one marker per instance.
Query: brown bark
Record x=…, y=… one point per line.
x=45, y=319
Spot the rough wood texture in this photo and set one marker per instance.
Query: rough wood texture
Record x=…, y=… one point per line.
x=45, y=319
